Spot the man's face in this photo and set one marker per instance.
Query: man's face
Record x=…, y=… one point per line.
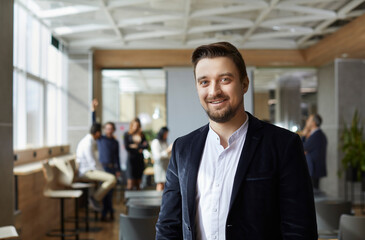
x=108, y=129
x=219, y=88
x=97, y=135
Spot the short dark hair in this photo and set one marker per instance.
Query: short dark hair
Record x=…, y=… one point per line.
x=220, y=49
x=96, y=127
x=110, y=123
x=317, y=119
x=160, y=133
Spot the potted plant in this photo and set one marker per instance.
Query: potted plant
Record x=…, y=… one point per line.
x=353, y=147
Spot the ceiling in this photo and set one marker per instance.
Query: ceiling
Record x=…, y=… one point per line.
x=185, y=24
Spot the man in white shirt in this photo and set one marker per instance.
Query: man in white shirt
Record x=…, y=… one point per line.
x=89, y=167
x=237, y=177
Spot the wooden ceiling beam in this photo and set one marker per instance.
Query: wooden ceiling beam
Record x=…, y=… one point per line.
x=181, y=57
x=348, y=41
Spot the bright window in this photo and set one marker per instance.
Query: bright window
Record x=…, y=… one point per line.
x=39, y=80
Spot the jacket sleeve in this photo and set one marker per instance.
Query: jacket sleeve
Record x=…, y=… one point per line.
x=311, y=143
x=144, y=143
x=93, y=116
x=298, y=218
x=117, y=157
x=169, y=226
x=127, y=143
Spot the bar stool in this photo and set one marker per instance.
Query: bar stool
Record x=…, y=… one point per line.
x=53, y=190
x=84, y=187
x=62, y=195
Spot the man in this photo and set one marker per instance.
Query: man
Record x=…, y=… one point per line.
x=237, y=177
x=108, y=148
x=89, y=167
x=315, y=148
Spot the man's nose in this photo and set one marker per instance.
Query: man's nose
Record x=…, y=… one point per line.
x=215, y=89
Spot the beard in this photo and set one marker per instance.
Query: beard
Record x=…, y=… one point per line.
x=221, y=115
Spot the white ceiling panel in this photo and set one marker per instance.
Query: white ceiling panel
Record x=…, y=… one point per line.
x=126, y=24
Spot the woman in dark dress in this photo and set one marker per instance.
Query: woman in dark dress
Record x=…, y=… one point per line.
x=135, y=142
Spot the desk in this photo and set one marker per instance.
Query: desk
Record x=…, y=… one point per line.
x=142, y=194
x=144, y=202
x=144, y=207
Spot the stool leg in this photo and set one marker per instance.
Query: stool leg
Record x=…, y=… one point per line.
x=76, y=219
x=87, y=209
x=62, y=220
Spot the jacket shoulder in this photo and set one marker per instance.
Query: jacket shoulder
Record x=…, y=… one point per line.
x=190, y=137
x=277, y=134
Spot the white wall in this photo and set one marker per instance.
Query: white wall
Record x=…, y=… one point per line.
x=79, y=98
x=184, y=112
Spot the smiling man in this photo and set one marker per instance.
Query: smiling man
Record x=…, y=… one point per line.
x=237, y=177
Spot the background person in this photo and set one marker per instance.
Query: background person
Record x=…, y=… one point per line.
x=135, y=142
x=161, y=155
x=108, y=148
x=315, y=148
x=90, y=168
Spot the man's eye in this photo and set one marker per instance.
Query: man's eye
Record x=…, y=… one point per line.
x=224, y=79
x=203, y=82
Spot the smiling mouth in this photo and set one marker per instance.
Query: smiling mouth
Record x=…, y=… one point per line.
x=217, y=101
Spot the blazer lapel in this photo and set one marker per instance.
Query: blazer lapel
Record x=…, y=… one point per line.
x=252, y=139
x=197, y=147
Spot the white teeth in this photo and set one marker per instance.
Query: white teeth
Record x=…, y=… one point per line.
x=217, y=102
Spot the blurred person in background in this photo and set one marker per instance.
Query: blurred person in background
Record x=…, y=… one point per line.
x=161, y=155
x=315, y=148
x=135, y=142
x=90, y=168
x=108, y=148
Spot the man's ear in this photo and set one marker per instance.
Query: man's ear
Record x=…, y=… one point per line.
x=245, y=84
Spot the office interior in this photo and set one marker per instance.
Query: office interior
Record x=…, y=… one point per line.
x=302, y=57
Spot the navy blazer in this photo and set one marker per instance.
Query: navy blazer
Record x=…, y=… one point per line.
x=272, y=196
x=316, y=147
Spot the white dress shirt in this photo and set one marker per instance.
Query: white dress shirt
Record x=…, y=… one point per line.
x=215, y=182
x=86, y=155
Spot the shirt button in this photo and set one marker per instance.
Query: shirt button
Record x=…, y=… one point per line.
x=214, y=210
x=217, y=185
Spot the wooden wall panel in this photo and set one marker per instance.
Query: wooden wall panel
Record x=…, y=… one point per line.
x=262, y=110
x=27, y=155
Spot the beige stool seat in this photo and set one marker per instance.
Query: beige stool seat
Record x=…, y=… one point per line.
x=81, y=185
x=63, y=193
x=8, y=232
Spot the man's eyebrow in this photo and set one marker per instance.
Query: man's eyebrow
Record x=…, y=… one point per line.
x=226, y=74
x=200, y=78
